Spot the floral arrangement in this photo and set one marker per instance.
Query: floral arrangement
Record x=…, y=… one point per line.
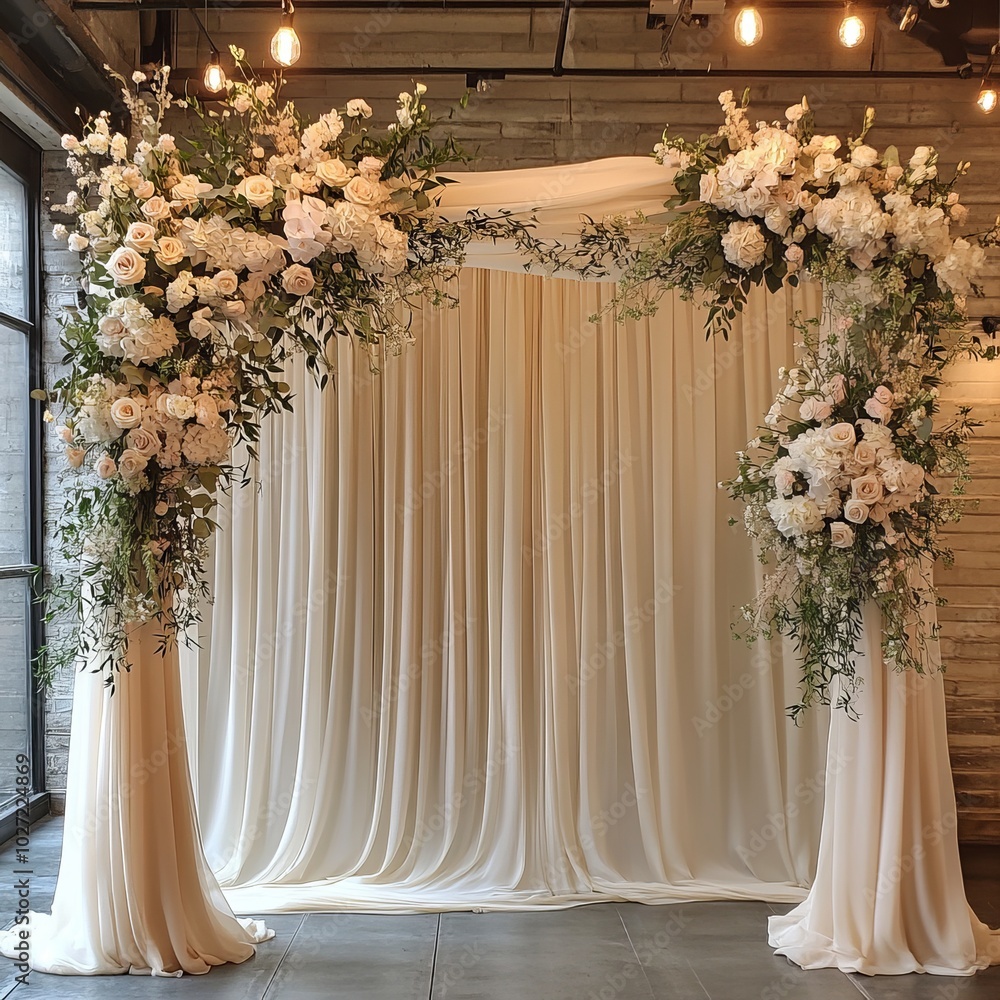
x=842, y=483
x=842, y=495
x=206, y=262
x=771, y=202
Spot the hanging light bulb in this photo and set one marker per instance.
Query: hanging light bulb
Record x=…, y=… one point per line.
x=215, y=75
x=988, y=99
x=285, y=45
x=749, y=26
x=852, y=30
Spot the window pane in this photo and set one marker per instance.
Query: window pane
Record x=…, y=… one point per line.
x=13, y=246
x=14, y=448
x=13, y=680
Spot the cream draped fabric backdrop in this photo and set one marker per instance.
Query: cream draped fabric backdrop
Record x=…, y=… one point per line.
x=471, y=642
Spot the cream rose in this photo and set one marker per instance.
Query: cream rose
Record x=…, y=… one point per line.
x=189, y=189
x=75, y=456
x=77, y=243
x=170, y=251
x=841, y=435
x=865, y=453
x=105, y=466
x=200, y=325
x=856, y=511
x=226, y=282
x=131, y=463
x=257, y=189
x=145, y=189
x=867, y=489
x=841, y=535
x=126, y=266
x=126, y=413
x=864, y=156
x=815, y=408
x=143, y=440
x=878, y=410
x=297, y=280
x=744, y=245
x=156, y=208
x=140, y=236
x=333, y=173
x=364, y=191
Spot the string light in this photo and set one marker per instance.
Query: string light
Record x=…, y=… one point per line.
x=852, y=30
x=285, y=45
x=215, y=75
x=749, y=26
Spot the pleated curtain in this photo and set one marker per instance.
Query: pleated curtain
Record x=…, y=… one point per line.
x=471, y=640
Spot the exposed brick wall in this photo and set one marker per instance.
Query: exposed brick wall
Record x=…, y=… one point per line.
x=60, y=283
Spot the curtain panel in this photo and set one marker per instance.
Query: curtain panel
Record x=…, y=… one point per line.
x=471, y=639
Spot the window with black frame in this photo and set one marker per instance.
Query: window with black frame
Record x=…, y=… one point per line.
x=20, y=465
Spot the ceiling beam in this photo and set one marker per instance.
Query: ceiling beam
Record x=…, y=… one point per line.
x=400, y=6
x=496, y=72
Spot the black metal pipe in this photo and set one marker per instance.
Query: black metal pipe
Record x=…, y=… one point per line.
x=557, y=62
x=496, y=72
x=395, y=6
x=445, y=5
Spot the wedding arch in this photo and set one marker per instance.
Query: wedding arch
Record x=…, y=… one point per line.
x=208, y=263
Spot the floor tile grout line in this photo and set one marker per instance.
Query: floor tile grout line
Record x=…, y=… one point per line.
x=284, y=955
x=857, y=985
x=434, y=958
x=628, y=937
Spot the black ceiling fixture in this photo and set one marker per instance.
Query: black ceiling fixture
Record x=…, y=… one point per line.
x=959, y=31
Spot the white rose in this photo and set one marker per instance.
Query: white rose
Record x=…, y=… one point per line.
x=856, y=511
x=815, y=408
x=864, y=157
x=257, y=190
x=189, y=189
x=126, y=413
x=126, y=266
x=140, y=236
x=226, y=282
x=78, y=243
x=358, y=108
x=867, y=489
x=841, y=535
x=131, y=463
x=798, y=516
x=179, y=406
x=297, y=280
x=744, y=245
x=105, y=466
x=170, y=251
x=333, y=173
x=364, y=191
x=841, y=435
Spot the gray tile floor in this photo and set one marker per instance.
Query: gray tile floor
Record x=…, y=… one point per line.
x=607, y=952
